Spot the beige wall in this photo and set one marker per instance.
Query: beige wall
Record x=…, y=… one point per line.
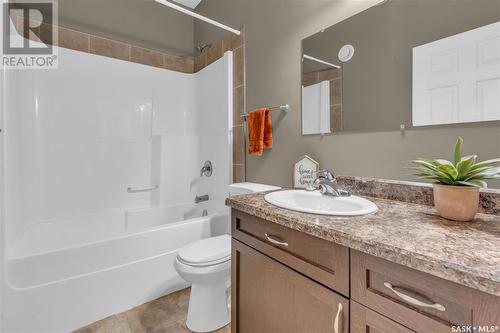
x=143, y=23
x=274, y=30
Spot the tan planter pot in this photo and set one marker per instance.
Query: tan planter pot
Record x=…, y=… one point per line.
x=458, y=203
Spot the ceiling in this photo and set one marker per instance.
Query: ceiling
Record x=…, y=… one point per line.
x=189, y=3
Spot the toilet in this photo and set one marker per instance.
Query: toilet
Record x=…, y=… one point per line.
x=206, y=265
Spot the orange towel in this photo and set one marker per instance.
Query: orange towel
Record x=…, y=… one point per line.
x=260, y=131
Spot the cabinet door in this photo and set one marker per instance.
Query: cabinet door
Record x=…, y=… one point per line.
x=269, y=297
x=364, y=320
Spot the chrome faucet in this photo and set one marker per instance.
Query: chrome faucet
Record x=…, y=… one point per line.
x=327, y=184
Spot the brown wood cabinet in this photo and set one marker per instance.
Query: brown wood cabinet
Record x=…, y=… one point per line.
x=285, y=281
x=272, y=298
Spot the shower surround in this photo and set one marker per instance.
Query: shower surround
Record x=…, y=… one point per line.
x=77, y=245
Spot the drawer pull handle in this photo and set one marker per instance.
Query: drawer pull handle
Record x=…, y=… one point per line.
x=273, y=240
x=414, y=301
x=336, y=323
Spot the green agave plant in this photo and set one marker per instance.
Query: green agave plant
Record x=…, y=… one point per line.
x=464, y=171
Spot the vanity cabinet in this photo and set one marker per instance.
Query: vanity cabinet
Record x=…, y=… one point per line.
x=271, y=298
x=284, y=280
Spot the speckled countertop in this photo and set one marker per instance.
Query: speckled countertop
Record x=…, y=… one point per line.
x=408, y=234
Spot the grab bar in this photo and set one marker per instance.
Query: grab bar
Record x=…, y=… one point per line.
x=142, y=189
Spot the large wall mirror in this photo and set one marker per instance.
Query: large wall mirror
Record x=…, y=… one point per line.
x=403, y=64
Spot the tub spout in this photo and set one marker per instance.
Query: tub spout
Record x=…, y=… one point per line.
x=201, y=198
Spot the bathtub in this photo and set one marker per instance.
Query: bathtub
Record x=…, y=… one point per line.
x=94, y=266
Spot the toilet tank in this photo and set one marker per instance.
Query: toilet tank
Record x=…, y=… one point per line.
x=245, y=188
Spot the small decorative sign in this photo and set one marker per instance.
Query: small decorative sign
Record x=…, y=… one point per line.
x=304, y=172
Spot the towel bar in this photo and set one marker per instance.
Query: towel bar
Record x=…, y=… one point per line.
x=283, y=107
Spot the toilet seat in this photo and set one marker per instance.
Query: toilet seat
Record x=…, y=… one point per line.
x=206, y=252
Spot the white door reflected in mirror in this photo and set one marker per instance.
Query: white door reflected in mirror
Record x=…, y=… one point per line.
x=457, y=79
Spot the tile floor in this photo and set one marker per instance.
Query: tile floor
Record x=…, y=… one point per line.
x=163, y=315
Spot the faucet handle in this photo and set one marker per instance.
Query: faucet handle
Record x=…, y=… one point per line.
x=207, y=169
x=326, y=174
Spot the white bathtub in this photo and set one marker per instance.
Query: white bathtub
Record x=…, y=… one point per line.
x=94, y=266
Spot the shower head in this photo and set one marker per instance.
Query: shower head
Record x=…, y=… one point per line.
x=202, y=47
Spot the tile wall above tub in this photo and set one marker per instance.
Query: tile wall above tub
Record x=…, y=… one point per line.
x=80, y=41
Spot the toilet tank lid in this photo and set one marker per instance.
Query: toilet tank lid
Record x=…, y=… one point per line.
x=251, y=188
x=206, y=250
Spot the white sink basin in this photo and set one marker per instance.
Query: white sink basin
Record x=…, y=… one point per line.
x=317, y=203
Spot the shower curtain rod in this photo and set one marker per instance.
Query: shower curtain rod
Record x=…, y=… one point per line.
x=305, y=56
x=198, y=16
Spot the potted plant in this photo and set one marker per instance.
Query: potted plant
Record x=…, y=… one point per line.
x=456, y=190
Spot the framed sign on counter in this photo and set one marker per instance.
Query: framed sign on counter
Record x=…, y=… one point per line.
x=304, y=172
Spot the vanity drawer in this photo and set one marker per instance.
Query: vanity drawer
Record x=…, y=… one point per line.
x=364, y=320
x=419, y=301
x=323, y=261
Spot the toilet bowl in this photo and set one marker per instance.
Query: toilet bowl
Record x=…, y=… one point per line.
x=206, y=265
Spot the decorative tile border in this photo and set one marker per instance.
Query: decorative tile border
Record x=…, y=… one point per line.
x=412, y=192
x=83, y=42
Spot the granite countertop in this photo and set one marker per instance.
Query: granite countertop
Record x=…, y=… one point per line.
x=412, y=235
